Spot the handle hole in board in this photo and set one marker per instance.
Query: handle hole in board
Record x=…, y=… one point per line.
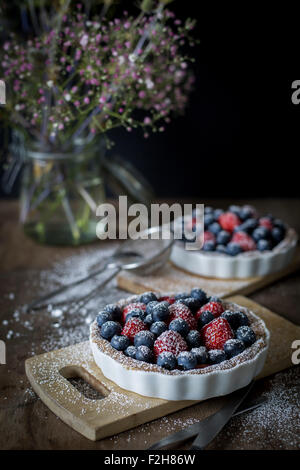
x=84, y=382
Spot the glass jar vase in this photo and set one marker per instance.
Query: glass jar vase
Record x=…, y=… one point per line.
x=60, y=193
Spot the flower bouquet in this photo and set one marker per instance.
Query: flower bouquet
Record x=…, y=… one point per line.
x=82, y=72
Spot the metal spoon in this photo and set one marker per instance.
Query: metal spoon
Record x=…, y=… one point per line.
x=124, y=258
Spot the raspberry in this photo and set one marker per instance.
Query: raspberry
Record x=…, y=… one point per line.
x=132, y=327
x=131, y=307
x=208, y=237
x=216, y=308
x=170, y=300
x=170, y=341
x=244, y=240
x=182, y=311
x=216, y=333
x=229, y=221
x=266, y=222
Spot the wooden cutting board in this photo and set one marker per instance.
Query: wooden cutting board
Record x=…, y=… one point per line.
x=120, y=410
x=173, y=279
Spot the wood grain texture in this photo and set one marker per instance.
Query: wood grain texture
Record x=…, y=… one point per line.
x=173, y=279
x=120, y=410
x=26, y=423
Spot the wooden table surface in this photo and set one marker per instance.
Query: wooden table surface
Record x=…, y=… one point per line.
x=26, y=269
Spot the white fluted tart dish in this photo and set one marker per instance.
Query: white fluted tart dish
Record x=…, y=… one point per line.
x=189, y=347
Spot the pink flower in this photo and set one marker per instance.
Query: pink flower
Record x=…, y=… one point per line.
x=142, y=94
x=94, y=81
x=84, y=40
x=147, y=121
x=86, y=100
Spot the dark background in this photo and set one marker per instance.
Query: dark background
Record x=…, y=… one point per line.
x=240, y=134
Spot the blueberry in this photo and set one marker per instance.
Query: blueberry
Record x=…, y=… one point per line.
x=200, y=295
x=264, y=245
x=246, y=334
x=161, y=311
x=148, y=319
x=233, y=249
x=193, y=339
x=143, y=353
x=217, y=213
x=259, y=233
x=215, y=228
x=250, y=224
x=167, y=360
x=278, y=223
x=223, y=237
x=208, y=219
x=241, y=228
x=215, y=356
x=208, y=210
x=158, y=328
x=233, y=347
x=245, y=213
x=209, y=246
x=109, y=329
x=235, y=209
x=120, y=342
x=235, y=319
x=277, y=234
x=190, y=302
x=201, y=354
x=221, y=249
x=187, y=360
x=103, y=317
x=144, y=338
x=214, y=298
x=205, y=318
x=151, y=305
x=136, y=312
x=148, y=297
x=114, y=310
x=180, y=326
x=130, y=351
x=181, y=295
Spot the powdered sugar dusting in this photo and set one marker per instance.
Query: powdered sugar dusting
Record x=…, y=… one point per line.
x=277, y=420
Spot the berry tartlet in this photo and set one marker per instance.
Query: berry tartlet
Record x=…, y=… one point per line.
x=183, y=347
x=238, y=243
